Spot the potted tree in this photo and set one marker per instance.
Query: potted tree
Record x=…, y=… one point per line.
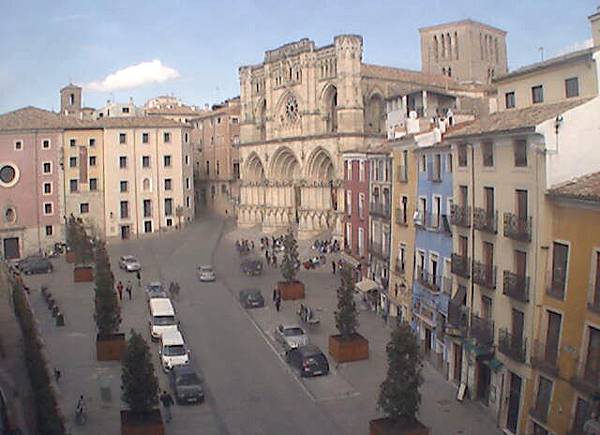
x=348, y=345
x=71, y=236
x=107, y=313
x=83, y=270
x=290, y=288
x=399, y=395
x=140, y=390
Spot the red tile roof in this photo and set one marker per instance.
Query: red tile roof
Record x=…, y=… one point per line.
x=586, y=188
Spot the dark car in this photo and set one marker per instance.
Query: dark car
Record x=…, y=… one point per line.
x=309, y=360
x=252, y=267
x=186, y=384
x=252, y=298
x=37, y=265
x=25, y=261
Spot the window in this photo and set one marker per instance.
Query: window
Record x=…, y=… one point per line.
x=236, y=171
x=449, y=163
x=169, y=222
x=542, y=401
x=186, y=137
x=123, y=162
x=123, y=186
x=560, y=255
x=92, y=142
x=124, y=209
x=47, y=188
x=572, y=87
x=46, y=144
x=145, y=138
x=168, y=184
x=188, y=202
x=72, y=162
x=147, y=205
x=125, y=110
x=349, y=202
x=350, y=163
x=167, y=137
x=437, y=168
x=187, y=184
x=520, y=153
x=47, y=208
x=168, y=207
x=167, y=161
x=146, y=185
x=18, y=145
x=591, y=370
x=93, y=184
x=122, y=138
x=361, y=205
x=145, y=161
x=207, y=169
x=218, y=169
x=187, y=160
x=404, y=210
x=537, y=94
x=595, y=299
x=49, y=230
x=361, y=171
x=423, y=167
x=73, y=185
x=582, y=414
x=487, y=151
x=84, y=208
x=147, y=226
x=462, y=155
x=72, y=143
x=92, y=160
x=348, y=235
x=509, y=100
x=47, y=167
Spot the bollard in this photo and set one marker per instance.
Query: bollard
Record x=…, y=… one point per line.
x=60, y=319
x=44, y=291
x=55, y=311
x=51, y=303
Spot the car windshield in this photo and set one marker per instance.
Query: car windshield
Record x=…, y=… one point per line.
x=155, y=287
x=129, y=260
x=315, y=360
x=174, y=350
x=292, y=332
x=164, y=320
x=188, y=379
x=205, y=268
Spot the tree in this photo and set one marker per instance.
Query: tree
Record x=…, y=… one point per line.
x=290, y=262
x=139, y=382
x=399, y=395
x=346, y=316
x=84, y=249
x=107, y=311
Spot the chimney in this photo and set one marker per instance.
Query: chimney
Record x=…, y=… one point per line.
x=595, y=23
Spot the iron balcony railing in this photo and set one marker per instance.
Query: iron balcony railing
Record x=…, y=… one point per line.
x=460, y=215
x=401, y=217
x=460, y=265
x=428, y=280
x=402, y=176
x=517, y=227
x=513, y=346
x=484, y=275
x=457, y=319
x=516, y=286
x=400, y=268
x=485, y=220
x=587, y=376
x=482, y=330
x=544, y=357
x=379, y=209
x=556, y=288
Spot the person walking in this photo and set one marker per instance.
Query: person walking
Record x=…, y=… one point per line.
x=120, y=290
x=275, y=290
x=138, y=275
x=167, y=401
x=278, y=301
x=333, y=267
x=129, y=289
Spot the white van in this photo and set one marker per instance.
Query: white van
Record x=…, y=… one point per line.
x=162, y=317
x=173, y=350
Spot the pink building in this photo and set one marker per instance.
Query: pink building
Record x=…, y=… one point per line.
x=31, y=215
x=356, y=221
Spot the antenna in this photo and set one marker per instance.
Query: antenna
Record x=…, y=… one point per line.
x=541, y=50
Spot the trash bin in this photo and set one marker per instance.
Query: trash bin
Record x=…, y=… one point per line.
x=105, y=393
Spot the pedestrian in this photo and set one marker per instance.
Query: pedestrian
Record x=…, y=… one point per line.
x=278, y=302
x=57, y=375
x=138, y=275
x=167, y=401
x=274, y=260
x=333, y=267
x=120, y=290
x=129, y=289
x=274, y=294
x=252, y=245
x=267, y=258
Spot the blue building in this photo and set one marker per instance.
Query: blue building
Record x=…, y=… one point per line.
x=432, y=283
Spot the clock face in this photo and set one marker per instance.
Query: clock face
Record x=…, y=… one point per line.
x=291, y=109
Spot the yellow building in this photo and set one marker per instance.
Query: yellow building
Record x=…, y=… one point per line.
x=566, y=353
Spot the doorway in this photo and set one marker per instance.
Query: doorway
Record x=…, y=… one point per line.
x=125, y=232
x=457, y=348
x=514, y=401
x=428, y=340
x=484, y=378
x=11, y=248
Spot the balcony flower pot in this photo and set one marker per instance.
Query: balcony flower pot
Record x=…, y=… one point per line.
x=70, y=257
x=110, y=347
x=83, y=273
x=149, y=423
x=389, y=426
x=342, y=350
x=291, y=290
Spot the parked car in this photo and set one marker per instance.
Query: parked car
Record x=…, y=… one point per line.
x=252, y=267
x=162, y=317
x=291, y=336
x=308, y=360
x=23, y=262
x=186, y=385
x=173, y=351
x=129, y=263
x=37, y=265
x=252, y=298
x=206, y=273
x=155, y=289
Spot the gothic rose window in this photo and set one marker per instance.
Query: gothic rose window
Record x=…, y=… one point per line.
x=291, y=109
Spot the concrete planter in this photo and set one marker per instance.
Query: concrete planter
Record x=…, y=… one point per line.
x=145, y=424
x=83, y=273
x=388, y=426
x=110, y=347
x=70, y=257
x=354, y=349
x=291, y=290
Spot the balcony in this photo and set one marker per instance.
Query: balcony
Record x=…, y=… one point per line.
x=428, y=280
x=402, y=175
x=484, y=275
x=556, y=288
x=587, y=376
x=378, y=250
x=517, y=227
x=485, y=220
x=512, y=345
x=482, y=330
x=460, y=265
x=457, y=319
x=460, y=215
x=401, y=218
x=544, y=357
x=516, y=286
x=379, y=209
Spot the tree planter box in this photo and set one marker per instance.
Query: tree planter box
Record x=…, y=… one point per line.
x=146, y=424
x=70, y=257
x=110, y=347
x=388, y=426
x=291, y=290
x=83, y=273
x=354, y=349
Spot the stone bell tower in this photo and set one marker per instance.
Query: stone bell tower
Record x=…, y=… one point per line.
x=70, y=100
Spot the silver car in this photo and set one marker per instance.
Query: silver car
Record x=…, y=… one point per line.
x=291, y=336
x=129, y=263
x=206, y=273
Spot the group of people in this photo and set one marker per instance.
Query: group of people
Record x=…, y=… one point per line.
x=128, y=289
x=174, y=289
x=272, y=242
x=326, y=246
x=244, y=245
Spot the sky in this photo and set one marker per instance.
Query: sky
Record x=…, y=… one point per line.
x=192, y=49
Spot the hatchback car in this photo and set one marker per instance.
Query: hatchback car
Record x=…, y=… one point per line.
x=252, y=267
x=186, y=385
x=155, y=289
x=291, y=336
x=206, y=273
x=308, y=360
x=37, y=265
x=129, y=263
x=252, y=298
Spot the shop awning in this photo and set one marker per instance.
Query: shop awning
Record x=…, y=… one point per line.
x=366, y=285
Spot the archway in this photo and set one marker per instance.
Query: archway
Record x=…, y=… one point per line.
x=254, y=168
x=330, y=99
x=284, y=165
x=375, y=114
x=320, y=166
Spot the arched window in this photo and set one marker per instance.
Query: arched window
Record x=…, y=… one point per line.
x=146, y=185
x=449, y=71
x=449, y=42
x=456, y=45
x=262, y=120
x=435, y=48
x=331, y=103
x=375, y=114
x=443, y=42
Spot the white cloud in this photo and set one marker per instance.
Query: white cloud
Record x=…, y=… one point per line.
x=134, y=76
x=580, y=45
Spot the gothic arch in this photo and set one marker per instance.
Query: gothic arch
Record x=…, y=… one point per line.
x=284, y=165
x=320, y=165
x=375, y=113
x=329, y=103
x=255, y=171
